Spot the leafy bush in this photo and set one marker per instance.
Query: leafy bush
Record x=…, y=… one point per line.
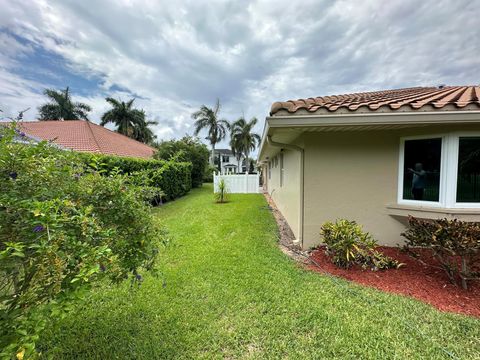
x=186, y=149
x=208, y=176
x=455, y=243
x=174, y=178
x=171, y=177
x=347, y=244
x=62, y=228
x=124, y=165
x=221, y=193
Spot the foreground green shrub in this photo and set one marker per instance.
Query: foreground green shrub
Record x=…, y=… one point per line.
x=347, y=244
x=63, y=228
x=186, y=149
x=454, y=243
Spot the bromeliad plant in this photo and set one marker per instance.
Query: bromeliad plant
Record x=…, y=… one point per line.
x=63, y=227
x=221, y=194
x=347, y=244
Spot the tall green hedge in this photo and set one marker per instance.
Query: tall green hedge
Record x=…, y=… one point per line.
x=172, y=177
x=188, y=149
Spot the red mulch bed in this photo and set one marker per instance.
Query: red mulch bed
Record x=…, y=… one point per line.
x=423, y=282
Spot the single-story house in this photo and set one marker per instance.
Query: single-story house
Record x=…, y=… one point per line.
x=85, y=136
x=374, y=157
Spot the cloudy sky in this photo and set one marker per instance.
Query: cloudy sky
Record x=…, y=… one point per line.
x=173, y=56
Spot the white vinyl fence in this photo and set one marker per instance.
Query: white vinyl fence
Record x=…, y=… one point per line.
x=238, y=183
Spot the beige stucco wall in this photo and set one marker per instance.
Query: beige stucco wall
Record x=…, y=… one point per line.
x=354, y=175
x=286, y=197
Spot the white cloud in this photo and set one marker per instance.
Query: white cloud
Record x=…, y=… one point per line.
x=178, y=55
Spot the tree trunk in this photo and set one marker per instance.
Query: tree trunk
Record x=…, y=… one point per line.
x=212, y=157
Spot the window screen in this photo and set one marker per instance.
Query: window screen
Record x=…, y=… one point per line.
x=468, y=179
x=421, y=169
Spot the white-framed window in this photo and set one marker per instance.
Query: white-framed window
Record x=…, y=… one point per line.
x=281, y=169
x=440, y=170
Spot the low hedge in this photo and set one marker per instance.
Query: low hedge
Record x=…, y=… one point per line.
x=173, y=178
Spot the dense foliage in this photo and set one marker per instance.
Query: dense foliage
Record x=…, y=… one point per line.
x=172, y=177
x=347, y=244
x=129, y=121
x=186, y=149
x=62, y=107
x=63, y=226
x=209, y=171
x=454, y=243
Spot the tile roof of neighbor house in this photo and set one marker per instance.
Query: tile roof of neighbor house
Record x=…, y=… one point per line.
x=409, y=99
x=84, y=136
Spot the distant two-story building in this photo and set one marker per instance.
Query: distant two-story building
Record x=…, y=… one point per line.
x=228, y=162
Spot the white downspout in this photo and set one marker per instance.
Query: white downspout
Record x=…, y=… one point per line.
x=302, y=183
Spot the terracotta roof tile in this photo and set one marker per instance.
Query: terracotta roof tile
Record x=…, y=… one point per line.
x=85, y=136
x=410, y=99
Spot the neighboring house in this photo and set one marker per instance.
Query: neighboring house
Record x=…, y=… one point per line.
x=228, y=162
x=85, y=136
x=374, y=157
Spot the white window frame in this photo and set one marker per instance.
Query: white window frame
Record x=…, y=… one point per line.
x=448, y=171
x=453, y=173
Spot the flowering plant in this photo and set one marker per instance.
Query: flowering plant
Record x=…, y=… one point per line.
x=63, y=227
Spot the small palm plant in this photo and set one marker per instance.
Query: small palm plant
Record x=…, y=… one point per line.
x=221, y=194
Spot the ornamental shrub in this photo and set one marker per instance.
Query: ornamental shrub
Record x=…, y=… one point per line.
x=221, y=193
x=170, y=178
x=454, y=243
x=186, y=149
x=347, y=244
x=63, y=228
x=209, y=171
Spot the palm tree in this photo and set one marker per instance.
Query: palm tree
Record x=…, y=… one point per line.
x=207, y=118
x=242, y=134
x=143, y=133
x=124, y=116
x=61, y=107
x=237, y=151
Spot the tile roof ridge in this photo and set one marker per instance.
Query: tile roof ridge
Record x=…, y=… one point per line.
x=93, y=136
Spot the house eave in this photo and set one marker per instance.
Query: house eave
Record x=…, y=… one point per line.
x=364, y=121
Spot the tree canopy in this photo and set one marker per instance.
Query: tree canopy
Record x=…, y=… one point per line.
x=62, y=107
x=243, y=139
x=188, y=149
x=129, y=121
x=208, y=119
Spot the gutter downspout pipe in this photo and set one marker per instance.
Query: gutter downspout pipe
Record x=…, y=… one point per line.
x=302, y=170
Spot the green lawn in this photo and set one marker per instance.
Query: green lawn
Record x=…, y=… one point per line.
x=227, y=291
